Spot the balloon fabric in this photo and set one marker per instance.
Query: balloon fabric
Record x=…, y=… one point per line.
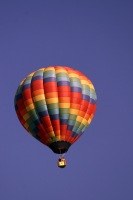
x=55, y=105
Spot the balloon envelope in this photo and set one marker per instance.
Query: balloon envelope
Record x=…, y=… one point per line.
x=55, y=105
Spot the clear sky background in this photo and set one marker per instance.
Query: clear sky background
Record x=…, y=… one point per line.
x=95, y=37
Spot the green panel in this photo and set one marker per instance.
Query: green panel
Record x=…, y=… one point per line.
x=86, y=92
x=31, y=123
x=49, y=73
x=93, y=96
x=41, y=108
x=52, y=106
x=77, y=124
x=19, y=90
x=74, y=79
x=75, y=84
x=85, y=87
x=64, y=110
x=53, y=111
x=39, y=103
x=39, y=73
x=72, y=117
x=62, y=78
x=92, y=91
x=71, y=122
x=64, y=116
x=33, y=113
x=62, y=74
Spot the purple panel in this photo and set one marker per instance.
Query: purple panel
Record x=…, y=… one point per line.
x=92, y=101
x=49, y=79
x=19, y=96
x=76, y=89
x=69, y=127
x=54, y=117
x=86, y=97
x=43, y=113
x=37, y=78
x=74, y=134
x=16, y=107
x=26, y=86
x=63, y=83
x=63, y=121
x=37, y=122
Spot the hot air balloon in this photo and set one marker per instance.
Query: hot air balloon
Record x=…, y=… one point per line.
x=55, y=105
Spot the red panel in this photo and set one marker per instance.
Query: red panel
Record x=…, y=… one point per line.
x=64, y=88
x=26, y=94
x=50, y=89
x=37, y=84
x=56, y=124
x=75, y=100
x=64, y=94
x=76, y=95
x=50, y=84
x=20, y=104
x=23, y=111
x=46, y=121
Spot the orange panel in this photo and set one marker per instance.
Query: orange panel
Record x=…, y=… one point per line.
x=75, y=106
x=51, y=95
x=28, y=101
x=64, y=99
x=37, y=92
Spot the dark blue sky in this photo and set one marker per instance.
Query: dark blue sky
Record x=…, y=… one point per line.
x=95, y=37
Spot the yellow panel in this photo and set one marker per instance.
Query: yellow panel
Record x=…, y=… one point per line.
x=52, y=100
x=39, y=97
x=79, y=119
x=84, y=82
x=72, y=75
x=22, y=81
x=31, y=74
x=30, y=107
x=84, y=121
x=57, y=138
x=91, y=86
x=41, y=69
x=64, y=105
x=60, y=70
x=49, y=68
x=87, y=83
x=89, y=121
x=74, y=111
x=26, y=125
x=51, y=134
x=26, y=116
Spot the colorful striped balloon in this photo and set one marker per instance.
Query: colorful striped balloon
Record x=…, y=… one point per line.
x=55, y=105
